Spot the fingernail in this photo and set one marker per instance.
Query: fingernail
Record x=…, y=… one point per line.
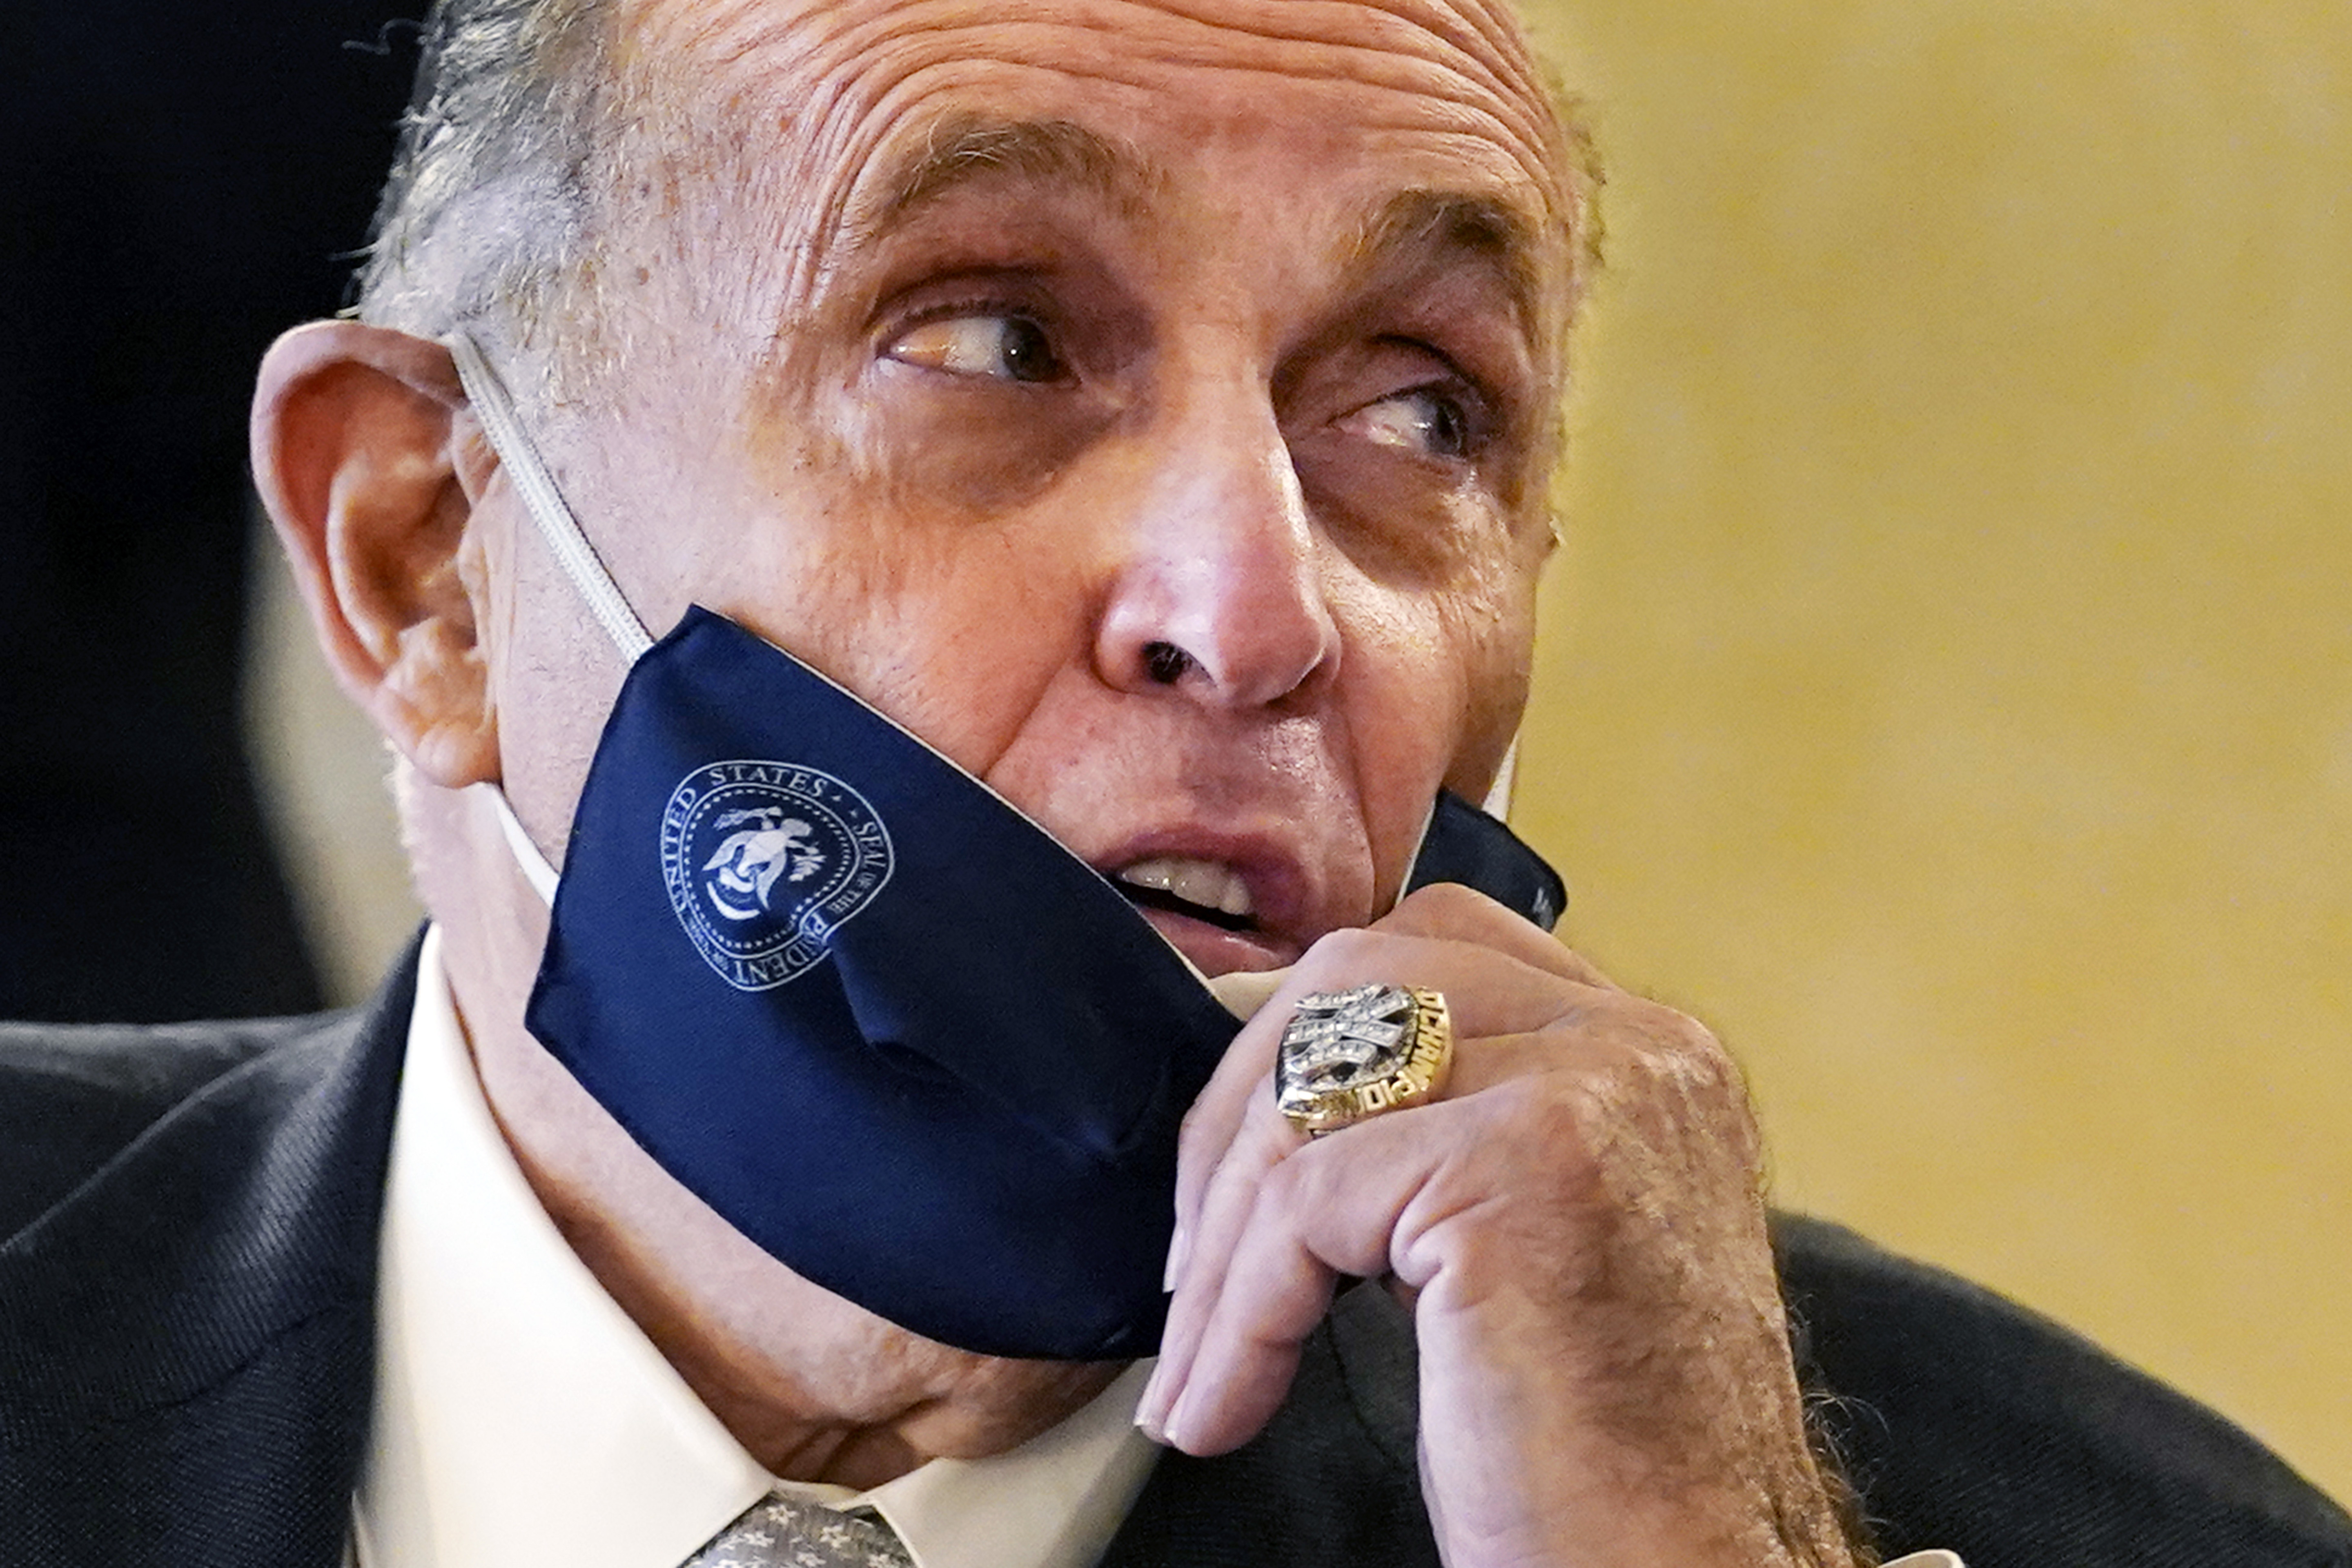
x=1146, y=1408
x=1172, y=1430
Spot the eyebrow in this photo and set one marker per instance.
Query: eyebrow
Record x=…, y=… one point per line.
x=1410, y=225
x=960, y=151
x=1436, y=223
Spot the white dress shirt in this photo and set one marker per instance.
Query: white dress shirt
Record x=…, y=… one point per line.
x=522, y=1417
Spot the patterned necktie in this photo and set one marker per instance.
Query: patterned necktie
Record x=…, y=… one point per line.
x=779, y=1532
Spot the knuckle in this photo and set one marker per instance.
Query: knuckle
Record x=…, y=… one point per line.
x=1192, y=1138
x=1659, y=1078
x=1549, y=1114
x=1693, y=1054
x=1695, y=1095
x=1675, y=1047
x=1281, y=1193
x=1355, y=950
x=1441, y=905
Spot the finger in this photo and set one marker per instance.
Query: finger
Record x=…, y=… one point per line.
x=1239, y=1367
x=1206, y=1237
x=1331, y=1208
x=1488, y=991
x=1263, y=1153
x=1207, y=1129
x=1448, y=910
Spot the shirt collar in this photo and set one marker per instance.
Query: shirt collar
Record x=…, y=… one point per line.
x=521, y=1415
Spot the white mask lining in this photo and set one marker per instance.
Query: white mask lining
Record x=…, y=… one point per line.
x=1497, y=803
x=535, y=869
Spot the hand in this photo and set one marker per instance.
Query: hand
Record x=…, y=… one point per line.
x=1577, y=1225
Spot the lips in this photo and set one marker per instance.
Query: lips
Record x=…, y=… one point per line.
x=1226, y=900
x=1204, y=889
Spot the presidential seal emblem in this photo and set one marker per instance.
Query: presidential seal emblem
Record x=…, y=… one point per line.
x=763, y=861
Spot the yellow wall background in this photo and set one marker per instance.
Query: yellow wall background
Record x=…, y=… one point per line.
x=1946, y=686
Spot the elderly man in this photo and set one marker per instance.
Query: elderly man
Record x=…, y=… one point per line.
x=1145, y=411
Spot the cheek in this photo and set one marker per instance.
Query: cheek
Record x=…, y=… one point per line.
x=1418, y=526
x=555, y=675
x=894, y=553
x=960, y=453
x=1493, y=634
x=965, y=661
x=1399, y=695
x=953, y=629
x=1444, y=608
x=1434, y=692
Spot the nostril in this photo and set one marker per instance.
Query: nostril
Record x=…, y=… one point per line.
x=1165, y=662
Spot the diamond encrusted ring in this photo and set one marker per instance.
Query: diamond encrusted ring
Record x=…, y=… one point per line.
x=1347, y=1055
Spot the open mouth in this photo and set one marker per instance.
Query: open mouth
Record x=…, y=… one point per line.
x=1203, y=890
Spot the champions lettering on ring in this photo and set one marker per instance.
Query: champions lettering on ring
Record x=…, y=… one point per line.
x=763, y=860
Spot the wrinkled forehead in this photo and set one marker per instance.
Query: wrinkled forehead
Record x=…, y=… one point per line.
x=784, y=131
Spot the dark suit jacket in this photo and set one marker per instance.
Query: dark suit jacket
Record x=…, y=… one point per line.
x=187, y=1290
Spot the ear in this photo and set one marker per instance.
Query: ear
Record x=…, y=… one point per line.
x=357, y=457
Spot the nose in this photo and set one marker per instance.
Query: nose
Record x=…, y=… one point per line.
x=1222, y=593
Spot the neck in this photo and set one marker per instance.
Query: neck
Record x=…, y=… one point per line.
x=815, y=1387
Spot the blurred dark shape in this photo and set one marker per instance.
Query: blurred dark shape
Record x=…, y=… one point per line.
x=178, y=185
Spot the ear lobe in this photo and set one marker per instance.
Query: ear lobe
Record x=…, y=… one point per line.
x=355, y=451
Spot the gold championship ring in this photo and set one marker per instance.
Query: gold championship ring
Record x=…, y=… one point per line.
x=1347, y=1055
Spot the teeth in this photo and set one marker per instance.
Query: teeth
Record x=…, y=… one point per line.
x=1201, y=883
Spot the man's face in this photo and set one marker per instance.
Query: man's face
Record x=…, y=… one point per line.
x=1147, y=404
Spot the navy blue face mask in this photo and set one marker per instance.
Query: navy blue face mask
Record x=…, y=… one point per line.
x=883, y=1024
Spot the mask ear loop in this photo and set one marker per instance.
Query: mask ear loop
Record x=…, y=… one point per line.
x=544, y=502
x=573, y=552
x=536, y=870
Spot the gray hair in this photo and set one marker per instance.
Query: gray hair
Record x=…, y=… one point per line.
x=486, y=219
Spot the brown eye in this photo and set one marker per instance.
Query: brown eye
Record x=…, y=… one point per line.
x=1424, y=421
x=1001, y=347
